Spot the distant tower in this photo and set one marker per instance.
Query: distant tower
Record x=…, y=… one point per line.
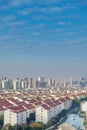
x=50, y=84
x=16, y=84
x=64, y=82
x=41, y=79
x=71, y=81
x=58, y=84
x=35, y=84
x=22, y=84
x=30, y=83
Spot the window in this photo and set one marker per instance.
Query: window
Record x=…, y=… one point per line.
x=41, y=109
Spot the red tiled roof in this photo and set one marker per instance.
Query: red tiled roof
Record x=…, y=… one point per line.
x=2, y=108
x=46, y=107
x=29, y=106
x=62, y=99
x=17, y=109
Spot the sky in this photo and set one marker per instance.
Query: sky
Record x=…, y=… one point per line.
x=43, y=37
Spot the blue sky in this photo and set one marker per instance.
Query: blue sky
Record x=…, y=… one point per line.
x=43, y=37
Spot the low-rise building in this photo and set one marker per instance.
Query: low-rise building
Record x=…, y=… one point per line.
x=43, y=113
x=2, y=109
x=29, y=109
x=15, y=115
x=66, y=126
x=84, y=106
x=51, y=108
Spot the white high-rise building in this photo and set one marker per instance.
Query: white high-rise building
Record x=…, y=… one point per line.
x=50, y=84
x=35, y=84
x=41, y=79
x=26, y=84
x=71, y=81
x=5, y=84
x=16, y=84
x=0, y=84
x=64, y=82
x=22, y=84
x=30, y=83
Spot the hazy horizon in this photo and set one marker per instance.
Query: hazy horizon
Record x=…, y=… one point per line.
x=43, y=37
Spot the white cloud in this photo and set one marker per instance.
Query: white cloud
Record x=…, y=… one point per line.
x=51, y=9
x=42, y=10
x=16, y=3
x=59, y=30
x=4, y=7
x=55, y=9
x=8, y=18
x=49, y=1
x=23, y=12
x=36, y=34
x=61, y=23
x=64, y=23
x=16, y=23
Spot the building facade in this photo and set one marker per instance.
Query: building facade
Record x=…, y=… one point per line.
x=15, y=115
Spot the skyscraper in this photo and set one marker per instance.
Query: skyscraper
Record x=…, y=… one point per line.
x=71, y=81
x=64, y=82
x=50, y=82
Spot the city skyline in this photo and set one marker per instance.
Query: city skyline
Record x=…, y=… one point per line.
x=43, y=38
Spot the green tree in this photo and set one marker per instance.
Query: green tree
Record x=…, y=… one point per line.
x=38, y=126
x=10, y=128
x=83, y=99
x=3, y=128
x=26, y=127
x=76, y=103
x=1, y=120
x=51, y=122
x=63, y=113
x=15, y=127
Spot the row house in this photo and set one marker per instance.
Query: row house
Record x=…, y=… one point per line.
x=15, y=115
x=51, y=108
